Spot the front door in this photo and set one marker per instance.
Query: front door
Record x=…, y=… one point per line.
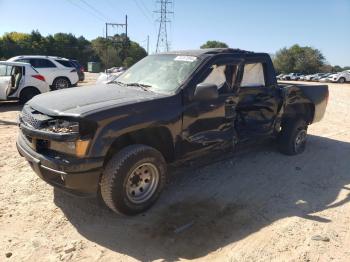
x=259, y=101
x=210, y=124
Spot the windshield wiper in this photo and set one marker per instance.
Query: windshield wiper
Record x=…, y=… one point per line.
x=117, y=82
x=143, y=86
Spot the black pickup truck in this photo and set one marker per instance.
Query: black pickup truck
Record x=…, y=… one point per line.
x=116, y=139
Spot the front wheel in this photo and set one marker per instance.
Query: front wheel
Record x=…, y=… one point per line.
x=292, y=138
x=133, y=179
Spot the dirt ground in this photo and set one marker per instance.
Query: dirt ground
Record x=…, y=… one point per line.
x=256, y=206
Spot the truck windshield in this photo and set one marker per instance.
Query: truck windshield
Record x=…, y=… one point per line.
x=160, y=73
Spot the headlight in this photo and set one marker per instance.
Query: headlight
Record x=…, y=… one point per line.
x=62, y=126
x=78, y=148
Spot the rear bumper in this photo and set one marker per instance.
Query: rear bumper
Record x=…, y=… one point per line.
x=81, y=76
x=74, y=175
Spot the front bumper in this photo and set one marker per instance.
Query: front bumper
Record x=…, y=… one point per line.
x=78, y=176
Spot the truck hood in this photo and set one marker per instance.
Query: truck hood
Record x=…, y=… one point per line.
x=79, y=101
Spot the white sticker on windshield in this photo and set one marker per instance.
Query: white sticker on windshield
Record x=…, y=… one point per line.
x=185, y=58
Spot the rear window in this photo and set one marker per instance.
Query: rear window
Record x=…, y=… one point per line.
x=253, y=75
x=41, y=63
x=65, y=63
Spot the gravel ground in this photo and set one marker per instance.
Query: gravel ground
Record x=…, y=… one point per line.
x=256, y=206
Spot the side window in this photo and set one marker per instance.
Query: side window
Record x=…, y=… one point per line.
x=216, y=76
x=65, y=63
x=41, y=63
x=253, y=75
x=23, y=60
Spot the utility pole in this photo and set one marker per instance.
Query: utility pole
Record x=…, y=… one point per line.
x=147, y=44
x=162, y=39
x=123, y=42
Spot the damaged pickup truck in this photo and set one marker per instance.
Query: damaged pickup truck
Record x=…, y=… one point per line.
x=116, y=139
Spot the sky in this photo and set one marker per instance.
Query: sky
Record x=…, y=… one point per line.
x=255, y=25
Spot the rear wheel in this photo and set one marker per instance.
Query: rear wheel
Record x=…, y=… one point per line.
x=341, y=80
x=133, y=179
x=61, y=83
x=27, y=94
x=292, y=138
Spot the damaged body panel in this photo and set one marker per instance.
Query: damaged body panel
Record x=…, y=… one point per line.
x=183, y=104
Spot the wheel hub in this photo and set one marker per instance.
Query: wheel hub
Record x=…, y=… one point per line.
x=300, y=139
x=61, y=83
x=142, y=183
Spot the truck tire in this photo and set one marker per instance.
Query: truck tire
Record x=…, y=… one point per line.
x=341, y=80
x=292, y=138
x=133, y=179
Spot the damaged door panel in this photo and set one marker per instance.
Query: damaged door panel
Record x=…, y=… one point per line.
x=259, y=101
x=210, y=124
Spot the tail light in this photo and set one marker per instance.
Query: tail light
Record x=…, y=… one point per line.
x=73, y=70
x=39, y=77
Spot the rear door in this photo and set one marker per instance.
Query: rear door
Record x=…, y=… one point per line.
x=259, y=100
x=5, y=79
x=46, y=68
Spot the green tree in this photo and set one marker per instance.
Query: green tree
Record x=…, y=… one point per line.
x=110, y=53
x=299, y=59
x=214, y=44
x=117, y=51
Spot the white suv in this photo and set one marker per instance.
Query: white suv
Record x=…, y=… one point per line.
x=20, y=81
x=341, y=77
x=58, y=72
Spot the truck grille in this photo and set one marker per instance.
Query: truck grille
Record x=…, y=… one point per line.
x=33, y=118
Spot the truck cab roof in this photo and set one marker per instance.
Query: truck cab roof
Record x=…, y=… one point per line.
x=215, y=51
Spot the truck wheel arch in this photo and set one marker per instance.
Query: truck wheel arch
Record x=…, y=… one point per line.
x=304, y=111
x=159, y=138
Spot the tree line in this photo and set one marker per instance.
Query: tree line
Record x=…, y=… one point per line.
x=121, y=51
x=116, y=51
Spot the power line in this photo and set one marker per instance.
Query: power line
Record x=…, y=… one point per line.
x=86, y=10
x=142, y=11
x=162, y=39
x=145, y=6
x=94, y=9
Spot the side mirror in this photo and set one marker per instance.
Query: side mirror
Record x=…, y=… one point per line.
x=205, y=92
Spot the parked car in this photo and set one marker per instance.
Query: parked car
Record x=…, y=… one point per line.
x=328, y=78
x=280, y=76
x=116, y=139
x=308, y=77
x=341, y=77
x=20, y=81
x=58, y=72
x=292, y=76
x=319, y=78
x=302, y=77
x=79, y=68
x=316, y=77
